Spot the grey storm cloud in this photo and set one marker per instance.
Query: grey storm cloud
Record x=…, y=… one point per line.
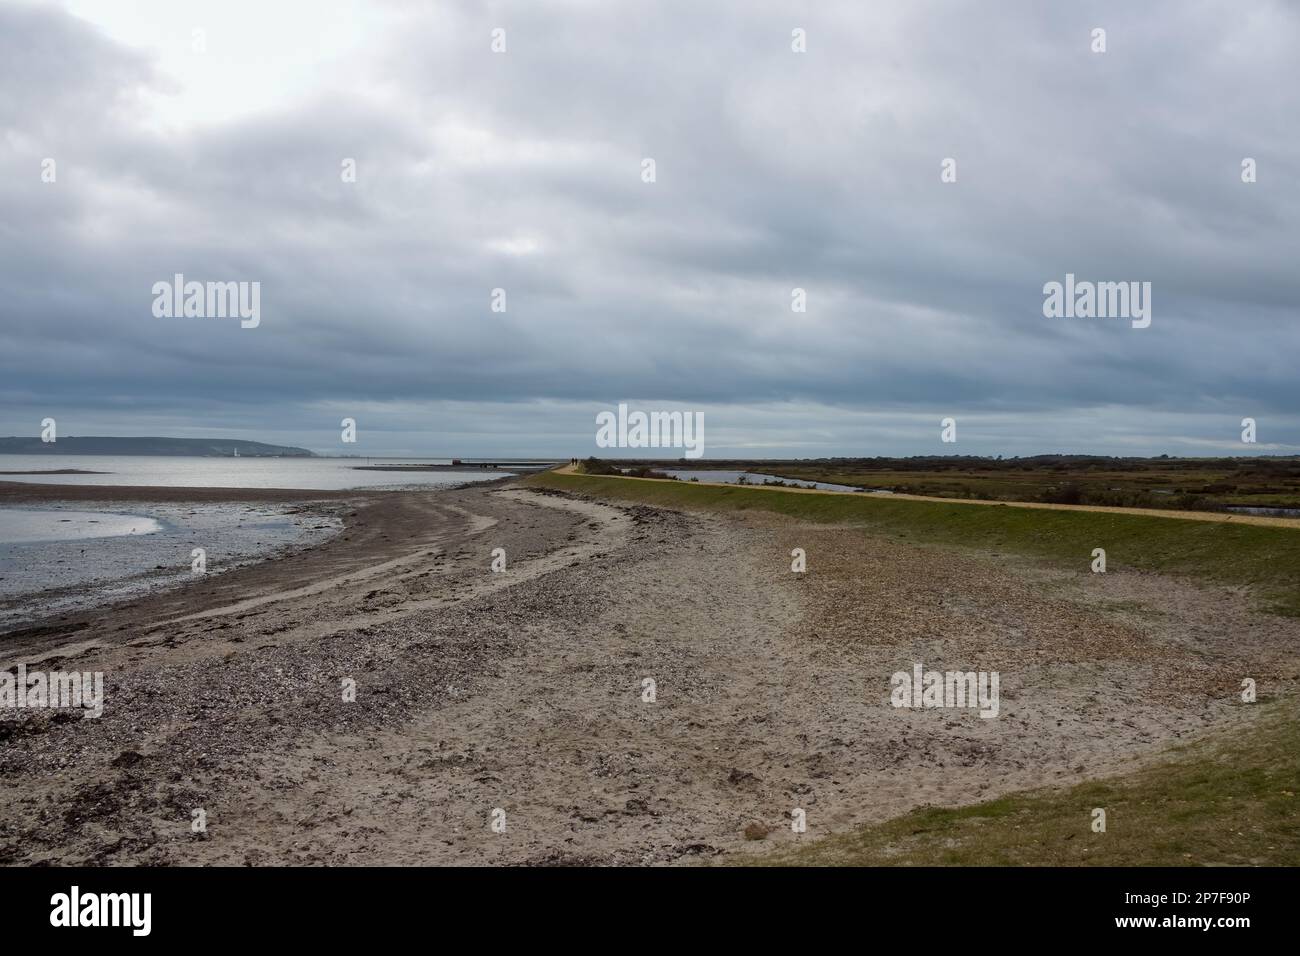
x=775, y=170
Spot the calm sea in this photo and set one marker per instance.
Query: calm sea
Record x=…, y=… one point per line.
x=317, y=474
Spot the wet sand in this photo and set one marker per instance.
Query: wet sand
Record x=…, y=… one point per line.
x=523, y=691
x=153, y=549
x=21, y=491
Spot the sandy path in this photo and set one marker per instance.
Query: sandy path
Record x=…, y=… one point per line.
x=523, y=691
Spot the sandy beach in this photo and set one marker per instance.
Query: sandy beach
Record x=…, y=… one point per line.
x=523, y=690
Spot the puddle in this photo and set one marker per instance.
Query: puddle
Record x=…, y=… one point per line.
x=24, y=525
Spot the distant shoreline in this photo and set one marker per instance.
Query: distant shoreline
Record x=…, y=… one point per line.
x=148, y=446
x=58, y=471
x=529, y=466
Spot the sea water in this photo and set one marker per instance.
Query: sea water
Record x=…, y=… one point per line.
x=315, y=474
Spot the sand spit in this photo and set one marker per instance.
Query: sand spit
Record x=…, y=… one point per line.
x=524, y=690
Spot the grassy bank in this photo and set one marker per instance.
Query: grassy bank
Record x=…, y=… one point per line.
x=1229, y=800
x=1264, y=558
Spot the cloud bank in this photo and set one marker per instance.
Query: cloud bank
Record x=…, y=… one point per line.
x=211, y=140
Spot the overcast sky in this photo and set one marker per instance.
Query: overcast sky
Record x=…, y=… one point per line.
x=218, y=154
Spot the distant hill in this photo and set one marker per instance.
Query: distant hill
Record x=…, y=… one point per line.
x=190, y=447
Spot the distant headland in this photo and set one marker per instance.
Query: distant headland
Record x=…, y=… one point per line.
x=191, y=447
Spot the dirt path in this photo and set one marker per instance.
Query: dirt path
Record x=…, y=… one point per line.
x=524, y=691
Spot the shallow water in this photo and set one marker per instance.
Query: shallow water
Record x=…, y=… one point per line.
x=42, y=575
x=317, y=474
x=1266, y=512
x=753, y=478
x=29, y=525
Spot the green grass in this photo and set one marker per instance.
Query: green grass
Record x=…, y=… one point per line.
x=1211, y=486
x=1227, y=800
x=1264, y=558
